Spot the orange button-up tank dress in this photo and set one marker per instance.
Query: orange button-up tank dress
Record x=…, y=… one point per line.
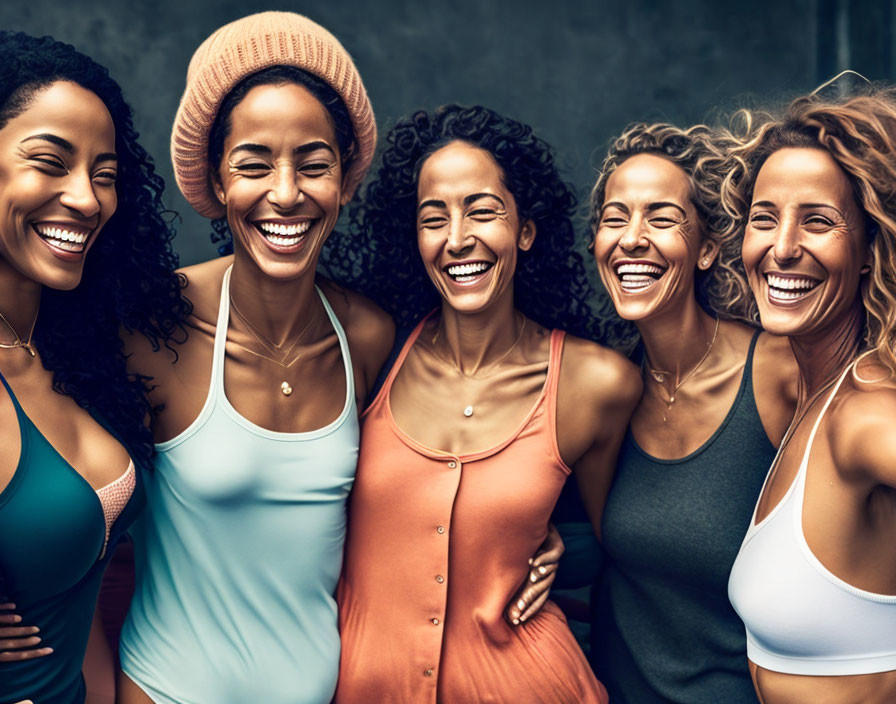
x=437, y=546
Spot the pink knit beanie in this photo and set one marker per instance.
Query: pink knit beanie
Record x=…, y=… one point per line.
x=244, y=47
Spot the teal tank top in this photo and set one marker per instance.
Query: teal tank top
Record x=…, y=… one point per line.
x=239, y=552
x=52, y=557
x=664, y=630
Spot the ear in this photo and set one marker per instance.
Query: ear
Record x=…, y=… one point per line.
x=709, y=250
x=527, y=236
x=868, y=261
x=218, y=188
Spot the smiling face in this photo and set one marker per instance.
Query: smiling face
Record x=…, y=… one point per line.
x=804, y=243
x=648, y=240
x=57, y=183
x=468, y=227
x=280, y=179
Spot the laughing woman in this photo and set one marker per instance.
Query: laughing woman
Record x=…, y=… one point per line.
x=486, y=410
x=819, y=201
x=241, y=546
x=83, y=251
x=717, y=400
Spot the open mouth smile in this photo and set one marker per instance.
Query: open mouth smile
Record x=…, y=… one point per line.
x=786, y=288
x=635, y=277
x=282, y=234
x=468, y=272
x=66, y=237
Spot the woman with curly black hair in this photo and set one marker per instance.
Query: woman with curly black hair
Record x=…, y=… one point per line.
x=466, y=447
x=73, y=180
x=718, y=397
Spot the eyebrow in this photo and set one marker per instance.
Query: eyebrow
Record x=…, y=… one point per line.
x=650, y=206
x=261, y=149
x=769, y=204
x=467, y=201
x=68, y=146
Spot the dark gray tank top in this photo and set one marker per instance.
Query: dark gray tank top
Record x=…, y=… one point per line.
x=664, y=630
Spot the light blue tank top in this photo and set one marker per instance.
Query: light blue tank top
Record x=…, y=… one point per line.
x=239, y=552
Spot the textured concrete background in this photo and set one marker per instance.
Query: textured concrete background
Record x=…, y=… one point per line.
x=577, y=70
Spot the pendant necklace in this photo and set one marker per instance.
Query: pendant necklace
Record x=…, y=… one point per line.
x=468, y=410
x=19, y=342
x=268, y=345
x=659, y=376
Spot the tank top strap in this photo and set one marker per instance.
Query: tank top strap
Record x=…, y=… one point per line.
x=824, y=409
x=217, y=380
x=551, y=387
x=15, y=402
x=343, y=346
x=396, y=366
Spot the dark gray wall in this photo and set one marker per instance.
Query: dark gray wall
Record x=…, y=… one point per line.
x=577, y=71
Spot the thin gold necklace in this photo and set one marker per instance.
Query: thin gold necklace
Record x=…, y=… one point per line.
x=659, y=376
x=261, y=339
x=19, y=342
x=468, y=410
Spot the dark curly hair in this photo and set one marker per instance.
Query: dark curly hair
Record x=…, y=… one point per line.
x=701, y=153
x=380, y=257
x=128, y=280
x=278, y=75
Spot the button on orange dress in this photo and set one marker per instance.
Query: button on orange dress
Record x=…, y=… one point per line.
x=437, y=546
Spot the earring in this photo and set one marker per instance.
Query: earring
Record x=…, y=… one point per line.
x=705, y=262
x=865, y=269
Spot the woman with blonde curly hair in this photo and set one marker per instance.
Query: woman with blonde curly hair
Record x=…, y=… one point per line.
x=715, y=407
x=818, y=200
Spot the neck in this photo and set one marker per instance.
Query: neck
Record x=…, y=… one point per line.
x=19, y=303
x=676, y=341
x=277, y=309
x=821, y=356
x=475, y=340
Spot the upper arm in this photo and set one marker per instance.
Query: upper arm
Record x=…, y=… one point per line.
x=599, y=392
x=862, y=439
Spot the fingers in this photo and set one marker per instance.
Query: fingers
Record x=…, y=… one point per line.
x=531, y=598
x=541, y=572
x=534, y=607
x=16, y=655
x=551, y=549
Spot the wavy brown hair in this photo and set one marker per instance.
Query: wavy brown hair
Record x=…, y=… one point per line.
x=702, y=153
x=859, y=132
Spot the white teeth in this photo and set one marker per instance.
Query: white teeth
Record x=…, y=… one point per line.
x=283, y=241
x=639, y=269
x=62, y=235
x=290, y=230
x=467, y=271
x=789, y=284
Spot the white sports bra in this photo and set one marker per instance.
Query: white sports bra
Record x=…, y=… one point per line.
x=800, y=618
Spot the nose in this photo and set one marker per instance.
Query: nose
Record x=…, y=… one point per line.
x=79, y=195
x=285, y=191
x=786, y=246
x=458, y=237
x=633, y=237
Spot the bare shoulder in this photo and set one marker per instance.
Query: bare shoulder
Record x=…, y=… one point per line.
x=600, y=375
x=860, y=424
x=203, y=286
x=369, y=329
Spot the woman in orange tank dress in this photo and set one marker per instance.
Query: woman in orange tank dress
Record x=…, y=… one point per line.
x=466, y=447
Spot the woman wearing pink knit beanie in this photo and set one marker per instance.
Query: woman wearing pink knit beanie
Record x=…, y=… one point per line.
x=241, y=546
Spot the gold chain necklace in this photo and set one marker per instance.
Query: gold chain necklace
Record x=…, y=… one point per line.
x=19, y=342
x=267, y=344
x=659, y=376
x=468, y=410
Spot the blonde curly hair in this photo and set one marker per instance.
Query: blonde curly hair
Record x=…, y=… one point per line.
x=859, y=132
x=702, y=153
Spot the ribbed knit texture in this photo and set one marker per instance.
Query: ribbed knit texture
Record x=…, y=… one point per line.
x=240, y=49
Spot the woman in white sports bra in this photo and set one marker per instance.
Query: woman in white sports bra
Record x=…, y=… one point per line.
x=815, y=579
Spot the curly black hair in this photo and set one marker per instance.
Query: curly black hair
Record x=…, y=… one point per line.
x=129, y=279
x=380, y=256
x=277, y=75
